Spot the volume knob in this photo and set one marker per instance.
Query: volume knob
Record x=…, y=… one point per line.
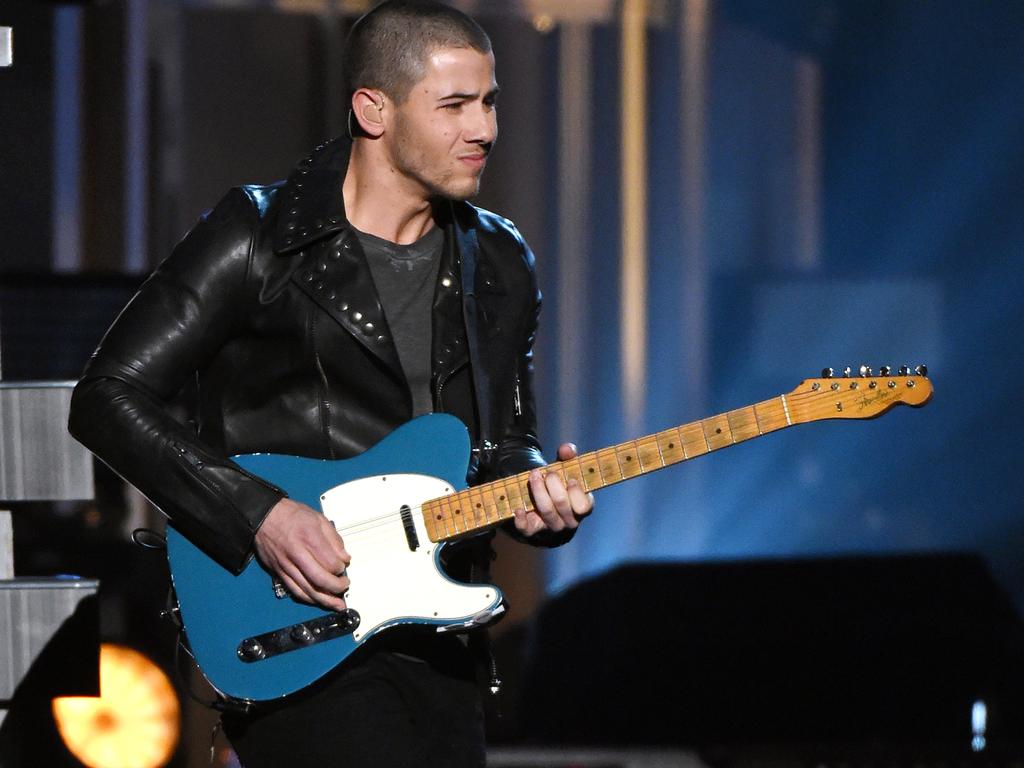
x=251, y=650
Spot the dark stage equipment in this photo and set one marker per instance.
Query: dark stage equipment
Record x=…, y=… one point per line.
x=839, y=651
x=49, y=627
x=49, y=646
x=6, y=46
x=50, y=324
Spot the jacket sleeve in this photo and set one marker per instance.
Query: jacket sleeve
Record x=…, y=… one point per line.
x=121, y=409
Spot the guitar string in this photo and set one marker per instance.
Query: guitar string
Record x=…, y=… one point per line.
x=816, y=413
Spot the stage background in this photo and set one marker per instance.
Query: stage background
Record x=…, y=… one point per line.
x=820, y=183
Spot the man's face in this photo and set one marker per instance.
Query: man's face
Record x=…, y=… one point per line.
x=446, y=127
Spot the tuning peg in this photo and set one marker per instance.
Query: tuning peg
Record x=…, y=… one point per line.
x=884, y=370
x=921, y=370
x=827, y=373
x=847, y=371
x=865, y=371
x=904, y=370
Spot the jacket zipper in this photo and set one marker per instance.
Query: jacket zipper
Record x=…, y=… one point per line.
x=190, y=458
x=325, y=407
x=441, y=380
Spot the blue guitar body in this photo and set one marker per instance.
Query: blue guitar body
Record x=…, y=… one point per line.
x=253, y=642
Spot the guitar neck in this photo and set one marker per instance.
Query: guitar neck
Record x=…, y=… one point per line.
x=485, y=506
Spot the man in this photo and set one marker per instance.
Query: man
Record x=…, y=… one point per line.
x=313, y=317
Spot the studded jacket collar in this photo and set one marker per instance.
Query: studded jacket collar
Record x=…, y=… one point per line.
x=337, y=277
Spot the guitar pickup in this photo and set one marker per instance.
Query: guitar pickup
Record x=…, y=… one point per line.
x=410, y=528
x=302, y=635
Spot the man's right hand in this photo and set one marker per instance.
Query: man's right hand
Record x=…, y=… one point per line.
x=301, y=547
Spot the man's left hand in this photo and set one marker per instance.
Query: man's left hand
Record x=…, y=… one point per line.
x=557, y=506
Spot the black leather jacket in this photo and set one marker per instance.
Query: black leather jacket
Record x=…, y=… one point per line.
x=265, y=326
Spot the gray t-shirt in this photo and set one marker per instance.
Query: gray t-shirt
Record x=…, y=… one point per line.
x=405, y=277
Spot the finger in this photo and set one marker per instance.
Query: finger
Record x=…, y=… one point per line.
x=534, y=524
x=330, y=552
x=311, y=596
x=318, y=585
x=319, y=577
x=581, y=501
x=293, y=588
x=329, y=600
x=542, y=502
x=296, y=583
x=336, y=544
x=520, y=521
x=560, y=499
x=566, y=451
x=527, y=523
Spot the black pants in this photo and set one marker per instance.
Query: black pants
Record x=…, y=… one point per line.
x=389, y=709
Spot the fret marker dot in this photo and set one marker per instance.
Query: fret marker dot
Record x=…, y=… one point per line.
x=671, y=445
x=629, y=458
x=718, y=431
x=590, y=470
x=501, y=498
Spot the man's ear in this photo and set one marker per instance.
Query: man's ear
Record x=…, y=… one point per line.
x=368, y=107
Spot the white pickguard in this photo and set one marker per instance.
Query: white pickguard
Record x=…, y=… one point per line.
x=390, y=584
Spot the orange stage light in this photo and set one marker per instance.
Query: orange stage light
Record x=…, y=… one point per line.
x=135, y=721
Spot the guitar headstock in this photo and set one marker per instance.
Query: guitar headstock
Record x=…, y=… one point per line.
x=860, y=394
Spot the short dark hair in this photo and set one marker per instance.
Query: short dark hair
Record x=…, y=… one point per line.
x=387, y=48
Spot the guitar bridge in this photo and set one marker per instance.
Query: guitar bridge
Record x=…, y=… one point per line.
x=307, y=633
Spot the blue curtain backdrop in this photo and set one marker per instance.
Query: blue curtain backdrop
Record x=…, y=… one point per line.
x=860, y=184
x=920, y=239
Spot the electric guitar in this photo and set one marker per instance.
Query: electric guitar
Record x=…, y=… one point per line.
x=400, y=502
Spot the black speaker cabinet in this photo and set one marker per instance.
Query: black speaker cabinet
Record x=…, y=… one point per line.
x=838, y=650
